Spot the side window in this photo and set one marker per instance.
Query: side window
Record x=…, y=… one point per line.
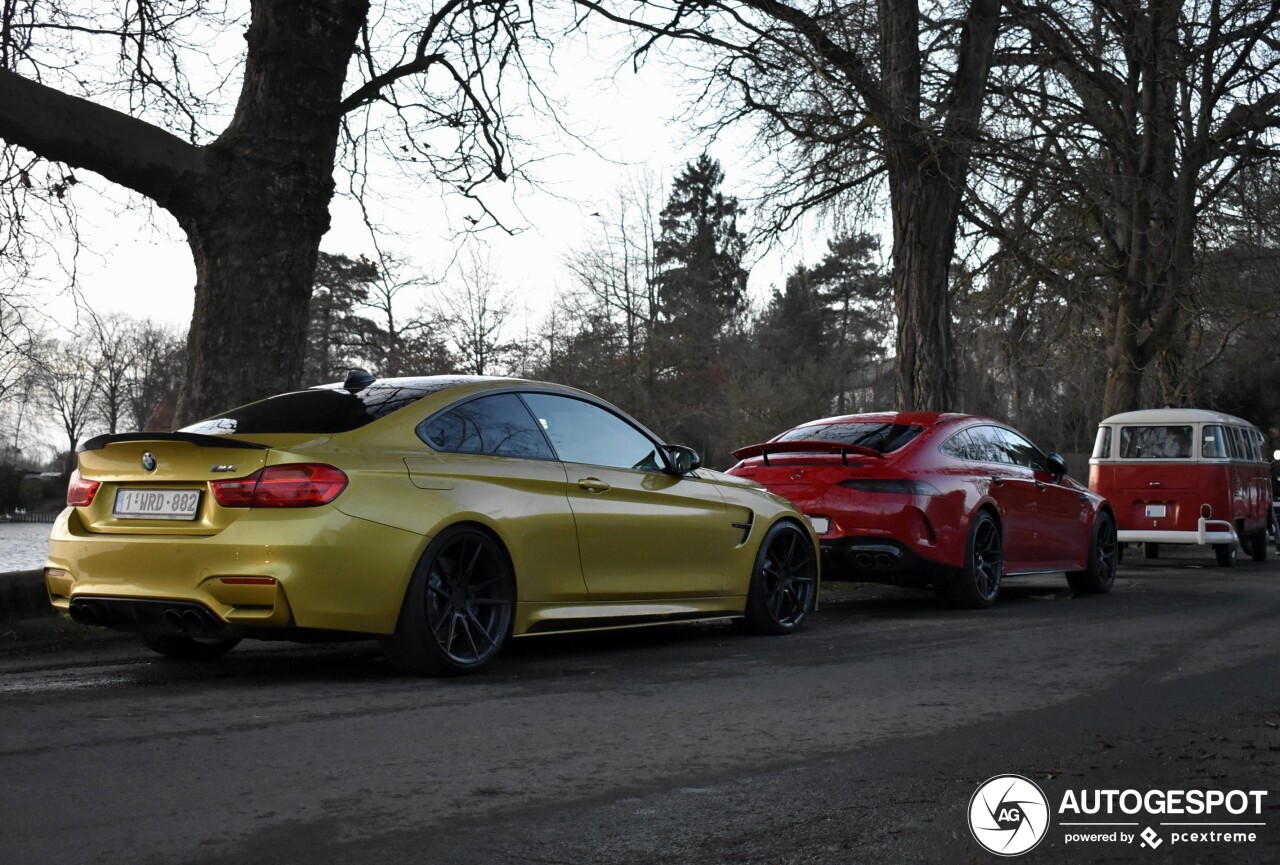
x=585, y=433
x=1235, y=447
x=988, y=445
x=1102, y=444
x=498, y=425
x=1023, y=452
x=957, y=446
x=1254, y=442
x=1212, y=445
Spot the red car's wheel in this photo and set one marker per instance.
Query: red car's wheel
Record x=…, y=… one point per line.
x=1104, y=557
x=459, y=607
x=977, y=585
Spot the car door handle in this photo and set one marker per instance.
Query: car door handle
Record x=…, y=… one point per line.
x=593, y=485
x=1040, y=485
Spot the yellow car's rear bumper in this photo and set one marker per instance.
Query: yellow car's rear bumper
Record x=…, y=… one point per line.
x=317, y=568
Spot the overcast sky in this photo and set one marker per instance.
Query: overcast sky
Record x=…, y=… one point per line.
x=138, y=262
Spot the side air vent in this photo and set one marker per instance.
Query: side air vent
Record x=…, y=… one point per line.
x=744, y=522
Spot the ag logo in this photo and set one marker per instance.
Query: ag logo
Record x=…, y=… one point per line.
x=1008, y=815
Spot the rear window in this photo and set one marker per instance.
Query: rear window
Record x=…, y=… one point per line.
x=319, y=410
x=882, y=437
x=1155, y=442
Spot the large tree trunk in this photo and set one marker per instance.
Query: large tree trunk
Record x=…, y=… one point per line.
x=253, y=204
x=1124, y=377
x=926, y=210
x=256, y=233
x=928, y=168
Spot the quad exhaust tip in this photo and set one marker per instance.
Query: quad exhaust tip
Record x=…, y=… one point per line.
x=130, y=615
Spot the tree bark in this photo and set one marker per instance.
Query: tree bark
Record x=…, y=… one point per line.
x=925, y=214
x=253, y=204
x=928, y=169
x=256, y=234
x=928, y=142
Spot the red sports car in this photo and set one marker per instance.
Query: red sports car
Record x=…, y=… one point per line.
x=949, y=500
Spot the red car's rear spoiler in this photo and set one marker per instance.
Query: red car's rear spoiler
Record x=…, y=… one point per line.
x=804, y=447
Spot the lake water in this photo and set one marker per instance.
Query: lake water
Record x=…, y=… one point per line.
x=23, y=546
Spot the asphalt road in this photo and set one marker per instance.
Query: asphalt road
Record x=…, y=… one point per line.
x=861, y=739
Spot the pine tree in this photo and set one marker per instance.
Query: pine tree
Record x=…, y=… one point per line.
x=335, y=329
x=701, y=284
x=700, y=278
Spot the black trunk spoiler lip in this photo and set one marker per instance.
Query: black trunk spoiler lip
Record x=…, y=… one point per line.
x=197, y=439
x=806, y=446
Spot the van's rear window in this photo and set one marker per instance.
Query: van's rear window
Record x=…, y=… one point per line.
x=320, y=410
x=1155, y=442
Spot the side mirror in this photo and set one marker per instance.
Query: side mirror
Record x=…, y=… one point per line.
x=682, y=459
x=1057, y=466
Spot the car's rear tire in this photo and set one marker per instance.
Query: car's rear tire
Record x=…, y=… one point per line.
x=1150, y=551
x=1226, y=554
x=977, y=585
x=459, y=607
x=188, y=648
x=1104, y=556
x=784, y=581
x=1257, y=545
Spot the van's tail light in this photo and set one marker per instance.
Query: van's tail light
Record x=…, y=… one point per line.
x=80, y=491
x=292, y=485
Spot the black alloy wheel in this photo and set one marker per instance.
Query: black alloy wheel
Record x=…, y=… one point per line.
x=459, y=607
x=784, y=581
x=1104, y=558
x=977, y=586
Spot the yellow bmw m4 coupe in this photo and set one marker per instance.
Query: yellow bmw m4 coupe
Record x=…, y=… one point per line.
x=443, y=514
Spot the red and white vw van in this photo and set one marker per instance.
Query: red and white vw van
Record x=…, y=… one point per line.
x=1185, y=476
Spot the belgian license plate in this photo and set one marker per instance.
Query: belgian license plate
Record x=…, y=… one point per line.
x=820, y=524
x=1155, y=511
x=157, y=504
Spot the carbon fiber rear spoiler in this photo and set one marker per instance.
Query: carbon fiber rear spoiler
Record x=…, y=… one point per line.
x=804, y=447
x=197, y=439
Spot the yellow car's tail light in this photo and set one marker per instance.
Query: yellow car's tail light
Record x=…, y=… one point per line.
x=293, y=485
x=80, y=491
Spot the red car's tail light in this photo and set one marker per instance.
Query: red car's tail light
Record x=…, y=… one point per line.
x=80, y=491
x=293, y=485
x=892, y=485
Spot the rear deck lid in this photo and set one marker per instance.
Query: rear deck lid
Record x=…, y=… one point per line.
x=159, y=483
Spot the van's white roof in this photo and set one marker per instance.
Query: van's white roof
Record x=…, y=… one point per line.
x=1174, y=415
